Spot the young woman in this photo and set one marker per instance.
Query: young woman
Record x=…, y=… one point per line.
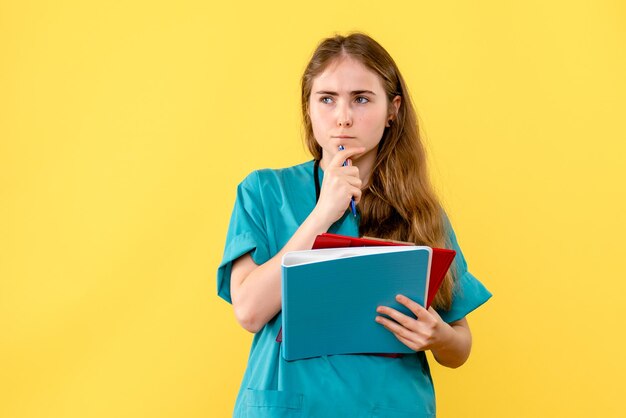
x=352, y=96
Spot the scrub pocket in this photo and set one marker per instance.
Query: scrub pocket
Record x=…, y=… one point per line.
x=389, y=412
x=273, y=403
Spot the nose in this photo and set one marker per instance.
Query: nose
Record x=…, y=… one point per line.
x=344, y=116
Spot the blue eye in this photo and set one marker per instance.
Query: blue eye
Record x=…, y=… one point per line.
x=362, y=100
x=326, y=99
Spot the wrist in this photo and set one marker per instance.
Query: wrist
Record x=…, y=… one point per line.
x=447, y=337
x=317, y=222
x=455, y=345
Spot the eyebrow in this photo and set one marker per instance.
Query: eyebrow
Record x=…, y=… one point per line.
x=354, y=92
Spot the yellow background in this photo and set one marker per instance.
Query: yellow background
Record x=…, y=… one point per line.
x=126, y=126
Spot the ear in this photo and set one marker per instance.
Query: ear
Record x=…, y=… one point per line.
x=394, y=107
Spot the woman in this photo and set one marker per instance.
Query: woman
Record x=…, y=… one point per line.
x=353, y=98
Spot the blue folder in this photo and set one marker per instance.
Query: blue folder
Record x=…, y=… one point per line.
x=330, y=296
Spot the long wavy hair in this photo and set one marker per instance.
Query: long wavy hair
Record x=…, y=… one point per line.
x=399, y=202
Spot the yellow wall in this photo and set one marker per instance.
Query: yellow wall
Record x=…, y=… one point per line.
x=126, y=126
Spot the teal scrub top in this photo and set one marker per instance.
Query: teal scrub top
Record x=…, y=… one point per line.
x=269, y=207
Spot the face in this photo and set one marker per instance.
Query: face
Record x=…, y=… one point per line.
x=348, y=106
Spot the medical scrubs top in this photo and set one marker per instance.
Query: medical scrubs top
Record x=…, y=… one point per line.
x=269, y=207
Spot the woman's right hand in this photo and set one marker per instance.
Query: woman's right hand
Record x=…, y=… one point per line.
x=340, y=185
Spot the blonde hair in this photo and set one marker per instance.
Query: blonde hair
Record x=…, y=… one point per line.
x=399, y=202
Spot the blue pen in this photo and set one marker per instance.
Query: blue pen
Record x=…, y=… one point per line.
x=352, y=204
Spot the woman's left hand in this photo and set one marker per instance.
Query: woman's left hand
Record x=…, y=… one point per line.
x=426, y=332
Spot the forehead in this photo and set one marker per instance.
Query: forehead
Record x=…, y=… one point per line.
x=347, y=74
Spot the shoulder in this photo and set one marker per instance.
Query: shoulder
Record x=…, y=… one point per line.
x=449, y=234
x=265, y=178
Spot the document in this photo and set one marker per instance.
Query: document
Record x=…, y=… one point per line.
x=330, y=295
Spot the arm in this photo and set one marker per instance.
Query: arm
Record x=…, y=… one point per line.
x=450, y=343
x=456, y=350
x=255, y=289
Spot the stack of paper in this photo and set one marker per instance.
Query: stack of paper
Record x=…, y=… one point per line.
x=330, y=296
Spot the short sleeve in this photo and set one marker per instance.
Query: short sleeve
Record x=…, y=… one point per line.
x=469, y=293
x=246, y=232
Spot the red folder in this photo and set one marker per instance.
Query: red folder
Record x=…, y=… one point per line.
x=442, y=258
x=440, y=263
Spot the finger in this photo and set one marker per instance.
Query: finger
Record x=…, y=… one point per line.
x=434, y=313
x=413, y=306
x=411, y=340
x=356, y=194
x=343, y=155
x=411, y=344
x=395, y=327
x=397, y=316
x=348, y=171
x=354, y=181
